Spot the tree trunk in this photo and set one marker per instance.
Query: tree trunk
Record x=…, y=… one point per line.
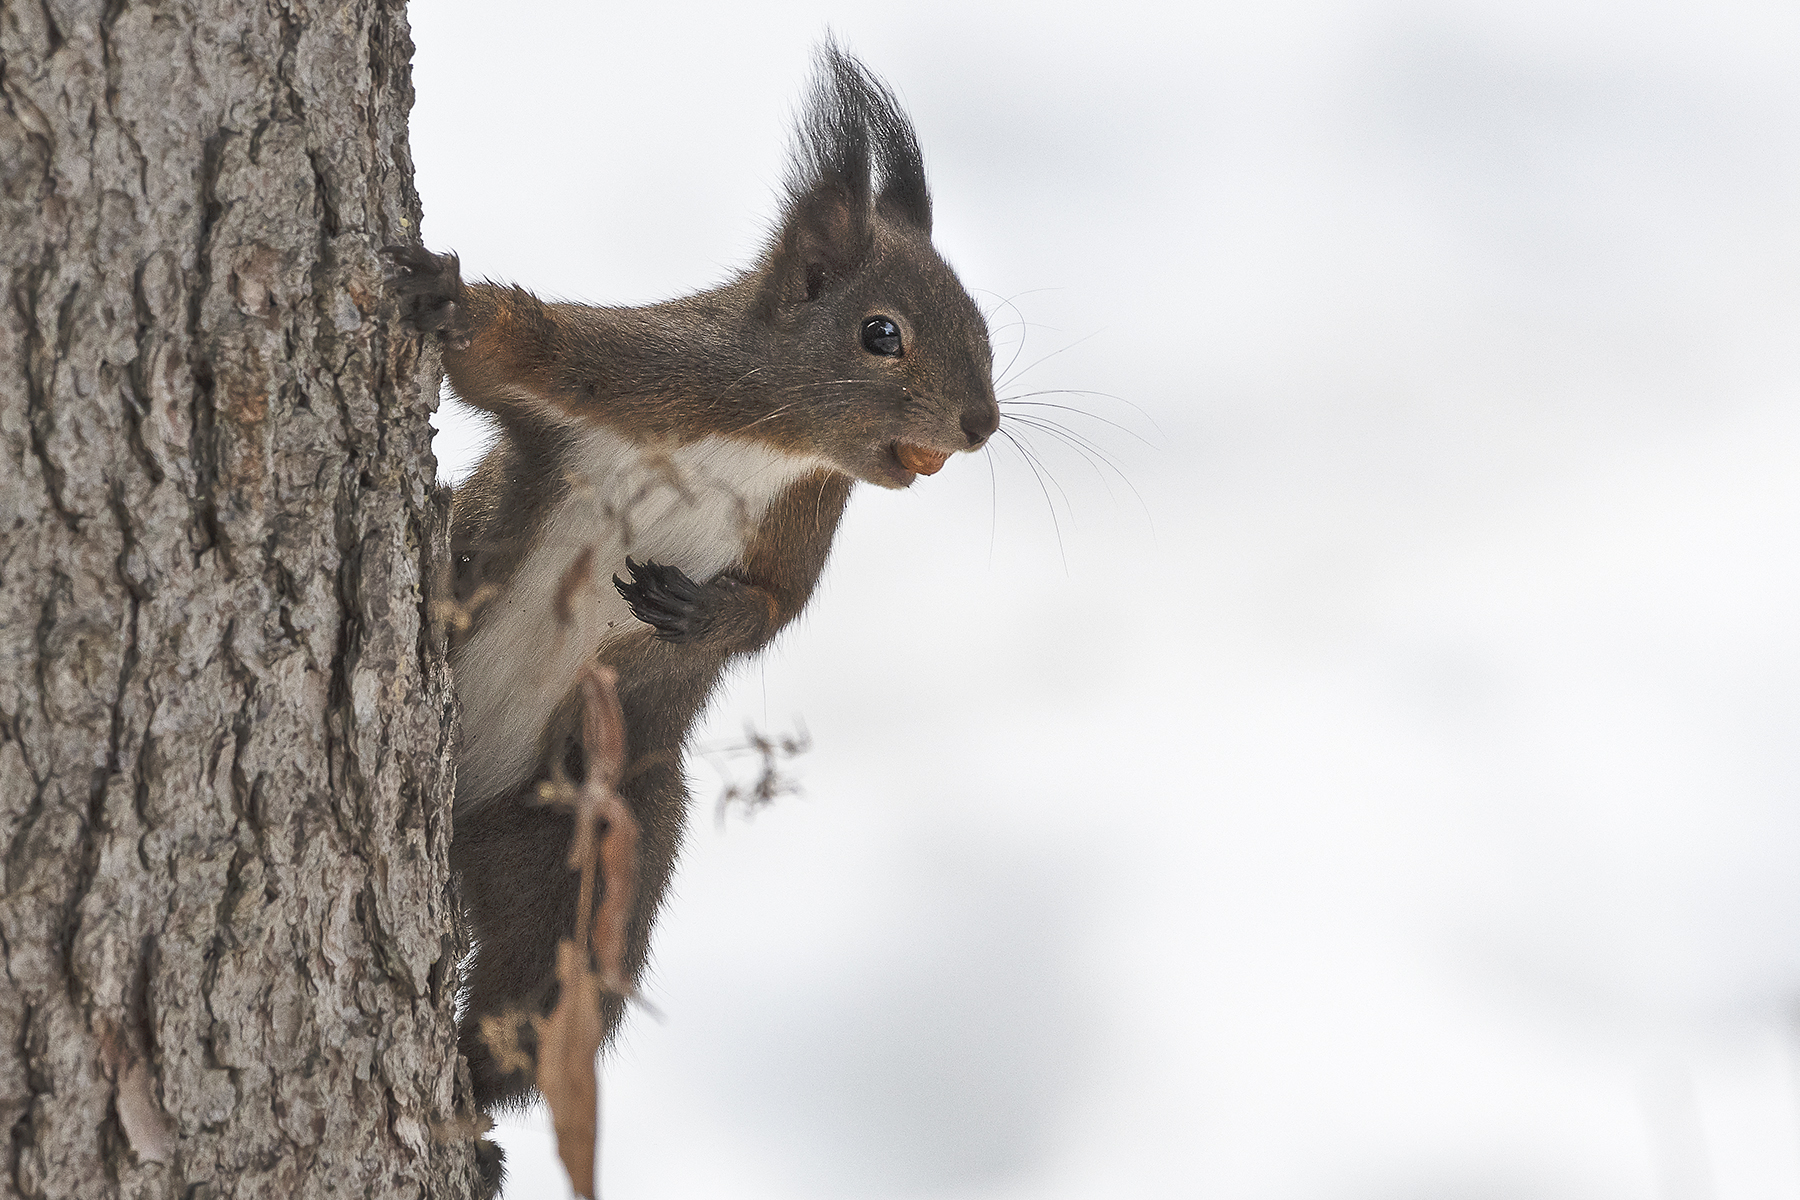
x=225, y=923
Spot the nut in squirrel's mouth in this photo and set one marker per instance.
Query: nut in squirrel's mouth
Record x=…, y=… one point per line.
x=921, y=460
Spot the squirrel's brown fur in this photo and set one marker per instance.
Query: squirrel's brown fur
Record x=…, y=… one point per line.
x=714, y=439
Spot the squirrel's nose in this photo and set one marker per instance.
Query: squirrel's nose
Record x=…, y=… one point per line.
x=979, y=425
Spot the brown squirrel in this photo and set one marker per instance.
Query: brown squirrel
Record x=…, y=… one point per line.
x=690, y=460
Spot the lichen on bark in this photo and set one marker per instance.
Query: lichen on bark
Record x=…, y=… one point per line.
x=225, y=919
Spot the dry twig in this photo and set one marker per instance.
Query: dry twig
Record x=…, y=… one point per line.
x=593, y=962
x=772, y=752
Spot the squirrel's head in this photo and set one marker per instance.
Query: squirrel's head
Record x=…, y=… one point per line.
x=881, y=358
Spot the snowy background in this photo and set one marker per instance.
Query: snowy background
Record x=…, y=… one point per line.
x=1389, y=789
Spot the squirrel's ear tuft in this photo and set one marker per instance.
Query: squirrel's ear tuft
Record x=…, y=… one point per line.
x=851, y=134
x=903, y=196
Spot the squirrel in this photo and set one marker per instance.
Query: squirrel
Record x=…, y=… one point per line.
x=688, y=462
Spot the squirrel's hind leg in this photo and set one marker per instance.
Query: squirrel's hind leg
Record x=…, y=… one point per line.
x=511, y=859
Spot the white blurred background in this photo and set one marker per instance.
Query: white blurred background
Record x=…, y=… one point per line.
x=1389, y=789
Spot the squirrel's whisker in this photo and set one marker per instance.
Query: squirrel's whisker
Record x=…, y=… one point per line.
x=1050, y=505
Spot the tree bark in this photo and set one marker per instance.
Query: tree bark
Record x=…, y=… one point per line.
x=225, y=718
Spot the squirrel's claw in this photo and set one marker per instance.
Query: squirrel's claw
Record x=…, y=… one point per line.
x=430, y=289
x=664, y=597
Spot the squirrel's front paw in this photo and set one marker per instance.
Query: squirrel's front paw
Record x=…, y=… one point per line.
x=430, y=288
x=666, y=598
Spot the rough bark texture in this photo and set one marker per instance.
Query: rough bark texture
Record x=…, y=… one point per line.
x=224, y=723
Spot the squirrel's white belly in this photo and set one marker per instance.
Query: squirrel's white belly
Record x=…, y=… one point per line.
x=694, y=507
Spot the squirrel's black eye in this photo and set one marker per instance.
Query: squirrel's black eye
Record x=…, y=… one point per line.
x=881, y=336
